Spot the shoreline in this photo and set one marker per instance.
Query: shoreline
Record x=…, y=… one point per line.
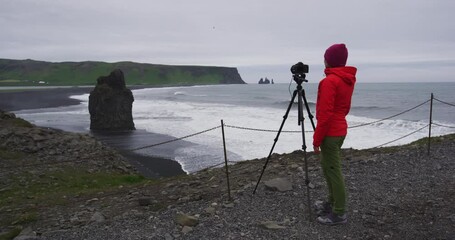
x=16, y=99
x=147, y=163
x=25, y=99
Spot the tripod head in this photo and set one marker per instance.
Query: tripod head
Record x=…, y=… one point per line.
x=299, y=78
x=298, y=72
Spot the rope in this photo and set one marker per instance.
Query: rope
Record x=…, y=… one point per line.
x=453, y=105
x=173, y=140
x=365, y=124
x=229, y=161
x=403, y=136
x=261, y=130
x=360, y=125
x=443, y=125
x=216, y=165
x=219, y=164
x=241, y=168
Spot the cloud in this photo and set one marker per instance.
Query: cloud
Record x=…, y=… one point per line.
x=246, y=34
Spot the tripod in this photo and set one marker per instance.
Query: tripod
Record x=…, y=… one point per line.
x=299, y=78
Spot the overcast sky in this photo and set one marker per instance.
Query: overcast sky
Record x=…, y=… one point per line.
x=388, y=40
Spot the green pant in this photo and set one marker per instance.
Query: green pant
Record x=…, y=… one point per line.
x=331, y=167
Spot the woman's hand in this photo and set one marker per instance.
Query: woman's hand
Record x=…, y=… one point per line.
x=316, y=150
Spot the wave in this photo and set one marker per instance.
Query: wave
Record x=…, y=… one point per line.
x=182, y=93
x=366, y=108
x=312, y=105
x=164, y=118
x=384, y=124
x=82, y=97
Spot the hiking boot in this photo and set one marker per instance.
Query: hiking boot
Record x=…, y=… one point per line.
x=322, y=208
x=333, y=219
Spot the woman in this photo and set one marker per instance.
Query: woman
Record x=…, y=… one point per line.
x=332, y=106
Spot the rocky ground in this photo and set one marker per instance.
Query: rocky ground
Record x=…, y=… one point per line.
x=394, y=193
x=44, y=148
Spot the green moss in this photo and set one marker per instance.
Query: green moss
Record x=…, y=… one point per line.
x=11, y=234
x=157, y=207
x=57, y=187
x=424, y=141
x=131, y=179
x=7, y=154
x=25, y=218
x=19, y=122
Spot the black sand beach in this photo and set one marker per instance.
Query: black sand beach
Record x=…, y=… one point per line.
x=21, y=99
x=146, y=162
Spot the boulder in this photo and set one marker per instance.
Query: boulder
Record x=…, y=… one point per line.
x=278, y=184
x=6, y=115
x=186, y=220
x=111, y=103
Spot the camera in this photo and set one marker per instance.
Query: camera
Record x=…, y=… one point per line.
x=299, y=68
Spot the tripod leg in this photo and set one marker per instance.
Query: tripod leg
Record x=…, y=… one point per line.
x=276, y=139
x=308, y=109
x=301, y=123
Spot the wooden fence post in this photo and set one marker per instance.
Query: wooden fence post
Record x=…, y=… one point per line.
x=225, y=160
x=429, y=126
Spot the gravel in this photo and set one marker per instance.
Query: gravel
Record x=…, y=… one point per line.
x=394, y=193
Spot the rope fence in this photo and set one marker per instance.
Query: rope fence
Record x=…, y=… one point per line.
x=173, y=140
x=440, y=125
x=309, y=131
x=407, y=135
x=450, y=104
x=261, y=130
x=6, y=169
x=387, y=118
x=284, y=131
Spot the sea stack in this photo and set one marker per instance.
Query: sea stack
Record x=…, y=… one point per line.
x=111, y=103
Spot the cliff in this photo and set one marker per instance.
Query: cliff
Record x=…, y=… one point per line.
x=31, y=73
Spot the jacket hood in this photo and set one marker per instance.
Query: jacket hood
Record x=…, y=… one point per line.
x=347, y=74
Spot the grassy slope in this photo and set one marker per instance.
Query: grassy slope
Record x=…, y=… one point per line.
x=29, y=72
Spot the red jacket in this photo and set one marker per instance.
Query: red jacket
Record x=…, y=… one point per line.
x=334, y=103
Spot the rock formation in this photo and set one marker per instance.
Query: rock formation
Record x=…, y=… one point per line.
x=110, y=103
x=265, y=81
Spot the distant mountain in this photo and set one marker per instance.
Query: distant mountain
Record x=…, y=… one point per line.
x=30, y=73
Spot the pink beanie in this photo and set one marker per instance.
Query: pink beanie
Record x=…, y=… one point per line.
x=336, y=55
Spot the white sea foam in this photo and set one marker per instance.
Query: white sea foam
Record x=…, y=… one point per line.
x=82, y=97
x=181, y=119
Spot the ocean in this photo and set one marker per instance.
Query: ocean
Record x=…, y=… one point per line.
x=253, y=113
